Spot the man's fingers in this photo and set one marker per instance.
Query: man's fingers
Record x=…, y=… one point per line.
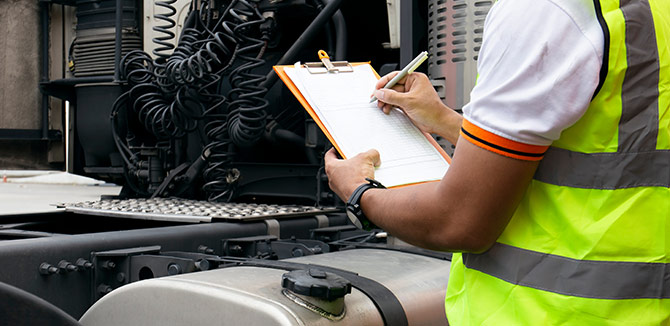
x=382, y=82
x=331, y=155
x=371, y=156
x=389, y=96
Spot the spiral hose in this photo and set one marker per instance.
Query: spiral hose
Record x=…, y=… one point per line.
x=247, y=117
x=162, y=52
x=181, y=92
x=170, y=95
x=242, y=123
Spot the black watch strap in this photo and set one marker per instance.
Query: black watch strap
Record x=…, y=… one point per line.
x=354, y=202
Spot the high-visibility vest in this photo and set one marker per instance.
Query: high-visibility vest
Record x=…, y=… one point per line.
x=590, y=242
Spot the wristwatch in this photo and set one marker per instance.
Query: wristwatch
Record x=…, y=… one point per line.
x=353, y=206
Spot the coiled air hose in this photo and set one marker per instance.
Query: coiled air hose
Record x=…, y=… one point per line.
x=162, y=52
x=244, y=119
x=247, y=117
x=171, y=94
x=182, y=92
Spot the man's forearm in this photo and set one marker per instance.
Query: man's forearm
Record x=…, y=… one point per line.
x=466, y=211
x=412, y=213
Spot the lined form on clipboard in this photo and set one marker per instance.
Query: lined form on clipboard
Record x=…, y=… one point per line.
x=339, y=102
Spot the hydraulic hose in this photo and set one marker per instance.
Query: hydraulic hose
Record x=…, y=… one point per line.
x=312, y=30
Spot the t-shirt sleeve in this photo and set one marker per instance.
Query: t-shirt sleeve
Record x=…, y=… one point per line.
x=538, y=71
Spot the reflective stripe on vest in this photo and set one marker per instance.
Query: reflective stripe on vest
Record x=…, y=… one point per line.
x=580, y=278
x=637, y=162
x=563, y=167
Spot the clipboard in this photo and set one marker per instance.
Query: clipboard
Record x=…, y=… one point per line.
x=303, y=101
x=346, y=68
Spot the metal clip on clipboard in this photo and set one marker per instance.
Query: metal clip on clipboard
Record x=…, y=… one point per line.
x=327, y=66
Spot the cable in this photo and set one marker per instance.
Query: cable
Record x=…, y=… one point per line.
x=166, y=35
x=195, y=61
x=170, y=94
x=243, y=123
x=247, y=117
x=126, y=154
x=181, y=92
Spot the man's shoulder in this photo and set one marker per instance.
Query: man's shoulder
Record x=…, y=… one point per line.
x=579, y=13
x=582, y=11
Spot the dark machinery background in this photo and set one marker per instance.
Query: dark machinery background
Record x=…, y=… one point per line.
x=205, y=129
x=209, y=119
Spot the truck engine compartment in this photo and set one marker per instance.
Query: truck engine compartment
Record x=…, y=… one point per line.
x=222, y=186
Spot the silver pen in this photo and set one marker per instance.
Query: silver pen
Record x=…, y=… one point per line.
x=411, y=66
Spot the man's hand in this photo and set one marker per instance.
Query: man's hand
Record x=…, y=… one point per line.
x=416, y=96
x=344, y=176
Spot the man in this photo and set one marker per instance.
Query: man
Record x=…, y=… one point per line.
x=558, y=194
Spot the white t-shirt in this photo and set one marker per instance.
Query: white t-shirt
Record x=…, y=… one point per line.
x=538, y=68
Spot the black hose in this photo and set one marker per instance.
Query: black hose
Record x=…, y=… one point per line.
x=170, y=95
x=340, y=25
x=340, y=35
x=162, y=52
x=180, y=93
x=243, y=123
x=312, y=30
x=247, y=109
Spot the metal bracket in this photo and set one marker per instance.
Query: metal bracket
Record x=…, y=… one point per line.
x=298, y=248
x=327, y=66
x=335, y=233
x=111, y=268
x=257, y=246
x=115, y=268
x=273, y=227
x=322, y=221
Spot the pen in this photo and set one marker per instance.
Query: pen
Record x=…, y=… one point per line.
x=411, y=66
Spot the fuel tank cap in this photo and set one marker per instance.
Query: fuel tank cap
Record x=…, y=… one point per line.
x=316, y=283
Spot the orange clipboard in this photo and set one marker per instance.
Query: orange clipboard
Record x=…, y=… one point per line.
x=296, y=92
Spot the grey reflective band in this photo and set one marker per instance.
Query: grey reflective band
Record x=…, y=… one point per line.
x=638, y=128
x=580, y=278
x=636, y=163
x=604, y=170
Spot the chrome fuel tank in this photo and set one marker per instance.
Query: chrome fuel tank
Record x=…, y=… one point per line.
x=249, y=295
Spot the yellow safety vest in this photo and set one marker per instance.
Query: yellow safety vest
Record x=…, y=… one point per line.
x=590, y=242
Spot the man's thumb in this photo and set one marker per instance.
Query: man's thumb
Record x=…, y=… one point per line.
x=388, y=96
x=373, y=155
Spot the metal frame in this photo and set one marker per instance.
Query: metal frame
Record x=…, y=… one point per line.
x=39, y=250
x=62, y=88
x=29, y=134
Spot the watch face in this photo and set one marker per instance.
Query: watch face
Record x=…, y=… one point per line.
x=353, y=218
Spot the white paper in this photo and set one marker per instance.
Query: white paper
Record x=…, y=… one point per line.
x=341, y=101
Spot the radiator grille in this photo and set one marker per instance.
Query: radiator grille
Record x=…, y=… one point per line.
x=455, y=29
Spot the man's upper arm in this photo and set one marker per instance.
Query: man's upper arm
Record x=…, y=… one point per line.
x=483, y=189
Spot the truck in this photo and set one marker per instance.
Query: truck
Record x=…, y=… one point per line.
x=223, y=214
